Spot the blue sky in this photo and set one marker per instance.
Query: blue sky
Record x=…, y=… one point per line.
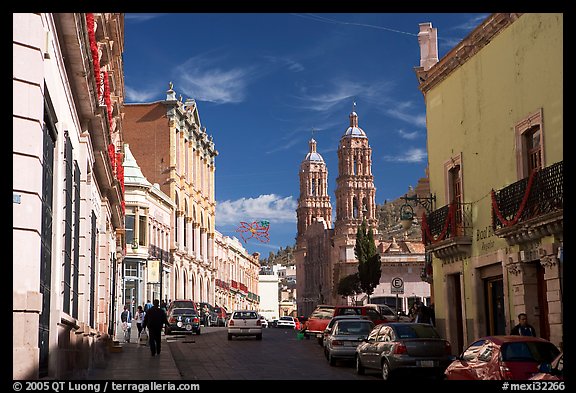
x=263, y=82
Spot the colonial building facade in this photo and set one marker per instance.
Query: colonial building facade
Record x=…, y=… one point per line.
x=174, y=150
x=147, y=266
x=68, y=200
x=494, y=115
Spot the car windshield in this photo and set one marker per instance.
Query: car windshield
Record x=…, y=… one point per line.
x=323, y=313
x=286, y=319
x=245, y=315
x=529, y=351
x=181, y=304
x=354, y=327
x=181, y=311
x=416, y=331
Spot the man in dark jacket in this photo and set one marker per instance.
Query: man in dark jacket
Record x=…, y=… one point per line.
x=154, y=319
x=523, y=328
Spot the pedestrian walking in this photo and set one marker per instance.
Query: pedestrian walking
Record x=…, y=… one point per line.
x=139, y=318
x=523, y=328
x=126, y=318
x=154, y=320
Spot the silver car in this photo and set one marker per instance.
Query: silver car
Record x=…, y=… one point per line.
x=414, y=347
x=344, y=337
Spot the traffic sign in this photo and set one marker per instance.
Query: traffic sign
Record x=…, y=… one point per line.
x=397, y=285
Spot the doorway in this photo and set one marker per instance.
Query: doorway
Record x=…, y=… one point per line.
x=494, y=306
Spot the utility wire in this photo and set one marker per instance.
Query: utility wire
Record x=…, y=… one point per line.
x=333, y=21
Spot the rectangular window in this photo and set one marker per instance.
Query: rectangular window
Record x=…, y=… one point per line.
x=129, y=222
x=142, y=228
x=529, y=137
x=68, y=224
x=76, y=266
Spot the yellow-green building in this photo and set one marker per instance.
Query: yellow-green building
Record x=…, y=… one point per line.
x=494, y=114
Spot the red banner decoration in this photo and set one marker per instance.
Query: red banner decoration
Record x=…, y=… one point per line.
x=497, y=211
x=93, y=49
x=450, y=222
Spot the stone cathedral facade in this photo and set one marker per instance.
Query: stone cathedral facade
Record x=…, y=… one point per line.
x=325, y=253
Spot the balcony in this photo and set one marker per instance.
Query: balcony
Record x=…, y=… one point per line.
x=530, y=208
x=447, y=231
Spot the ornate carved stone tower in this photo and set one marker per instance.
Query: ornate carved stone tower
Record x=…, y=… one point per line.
x=313, y=207
x=355, y=197
x=314, y=200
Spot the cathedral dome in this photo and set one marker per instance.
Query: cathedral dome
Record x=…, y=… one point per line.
x=354, y=130
x=313, y=155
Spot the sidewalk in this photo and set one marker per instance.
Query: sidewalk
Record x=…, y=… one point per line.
x=135, y=362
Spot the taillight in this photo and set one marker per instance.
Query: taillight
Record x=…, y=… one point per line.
x=259, y=323
x=231, y=322
x=447, y=348
x=505, y=372
x=400, y=349
x=172, y=320
x=336, y=343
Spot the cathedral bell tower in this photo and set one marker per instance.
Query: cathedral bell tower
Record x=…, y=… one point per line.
x=355, y=196
x=314, y=201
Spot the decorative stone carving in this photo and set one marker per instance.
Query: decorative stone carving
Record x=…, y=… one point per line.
x=514, y=268
x=549, y=261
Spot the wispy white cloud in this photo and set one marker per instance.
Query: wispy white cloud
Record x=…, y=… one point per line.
x=407, y=134
x=292, y=65
x=327, y=97
x=271, y=207
x=400, y=111
x=414, y=154
x=133, y=95
x=471, y=23
x=201, y=78
x=138, y=18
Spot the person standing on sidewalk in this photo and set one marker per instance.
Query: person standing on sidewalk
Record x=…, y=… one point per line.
x=154, y=320
x=139, y=318
x=126, y=318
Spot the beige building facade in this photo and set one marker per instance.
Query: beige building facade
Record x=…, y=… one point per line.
x=68, y=202
x=494, y=116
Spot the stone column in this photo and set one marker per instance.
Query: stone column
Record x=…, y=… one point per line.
x=197, y=240
x=189, y=229
x=180, y=218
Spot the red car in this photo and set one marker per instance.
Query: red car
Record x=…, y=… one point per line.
x=318, y=320
x=502, y=357
x=368, y=311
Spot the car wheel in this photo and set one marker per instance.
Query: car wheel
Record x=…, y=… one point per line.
x=331, y=360
x=259, y=337
x=386, y=373
x=360, y=370
x=229, y=337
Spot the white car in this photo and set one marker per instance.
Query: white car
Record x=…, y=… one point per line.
x=286, y=322
x=245, y=323
x=263, y=321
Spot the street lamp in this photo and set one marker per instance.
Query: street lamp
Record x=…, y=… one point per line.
x=407, y=212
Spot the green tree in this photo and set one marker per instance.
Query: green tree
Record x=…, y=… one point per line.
x=349, y=285
x=369, y=269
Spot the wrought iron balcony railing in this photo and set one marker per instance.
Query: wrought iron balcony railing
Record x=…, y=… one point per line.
x=450, y=221
x=537, y=195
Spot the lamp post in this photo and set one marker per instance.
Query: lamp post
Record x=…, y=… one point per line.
x=407, y=217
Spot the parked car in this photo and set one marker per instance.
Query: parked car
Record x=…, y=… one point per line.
x=286, y=322
x=245, y=323
x=208, y=316
x=318, y=320
x=551, y=371
x=502, y=357
x=330, y=325
x=263, y=321
x=371, y=312
x=344, y=337
x=388, y=313
x=183, y=320
x=397, y=346
x=220, y=316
